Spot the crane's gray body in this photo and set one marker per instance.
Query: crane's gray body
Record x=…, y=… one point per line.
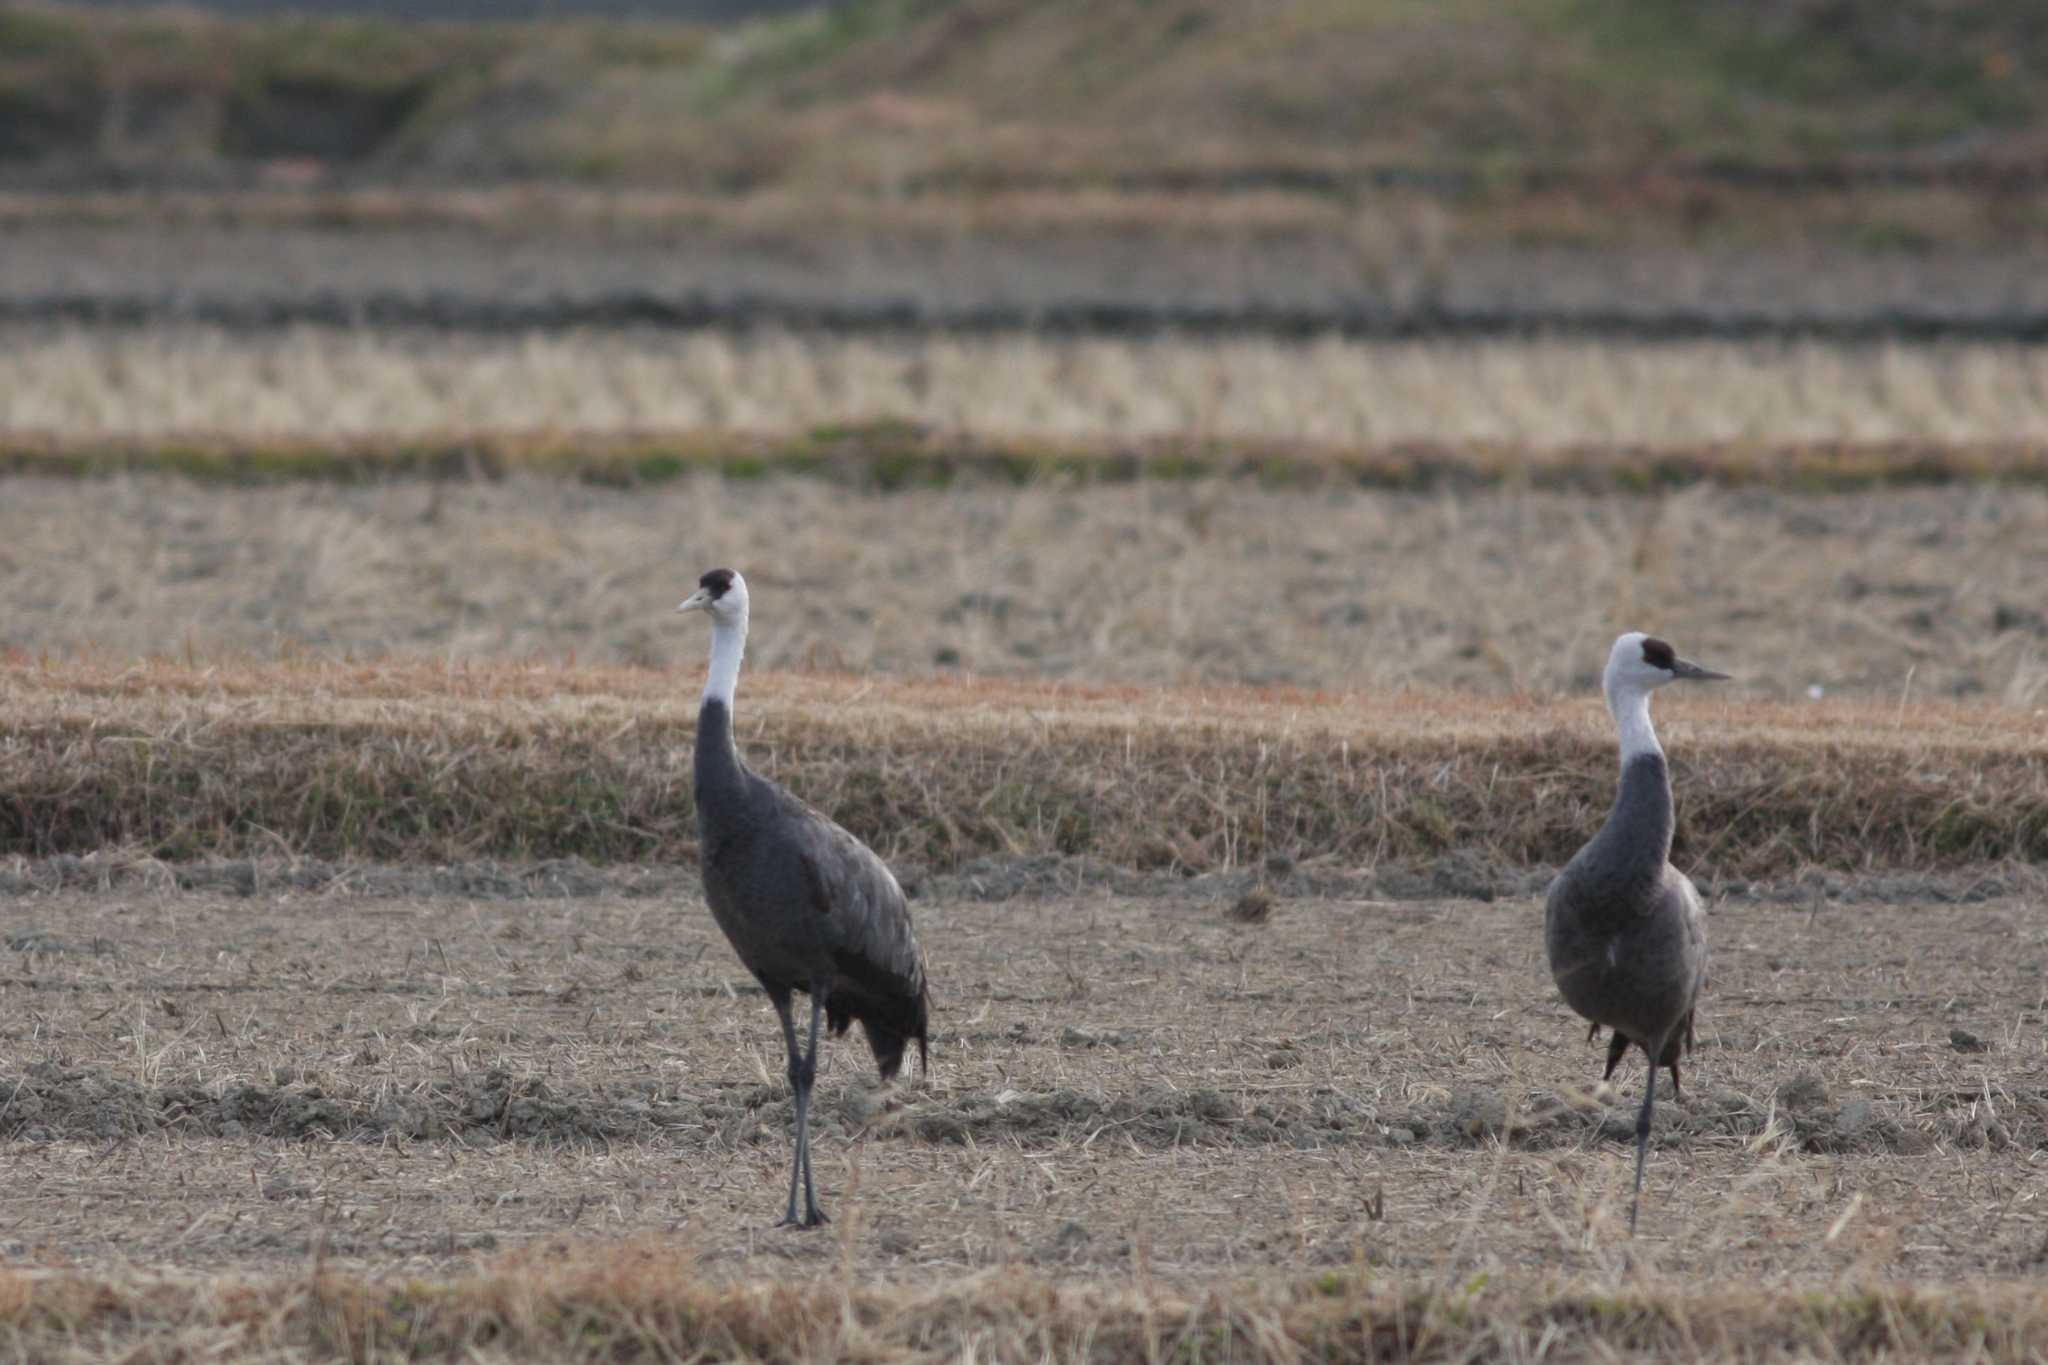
x=807, y=906
x=1623, y=928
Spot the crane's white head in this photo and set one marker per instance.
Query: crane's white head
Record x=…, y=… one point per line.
x=1644, y=663
x=1638, y=665
x=723, y=593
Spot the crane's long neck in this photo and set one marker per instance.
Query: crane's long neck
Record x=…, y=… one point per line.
x=717, y=760
x=728, y=643
x=1635, y=843
x=1630, y=707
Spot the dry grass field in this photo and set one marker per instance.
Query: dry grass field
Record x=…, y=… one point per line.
x=170, y=381
x=578, y=1302
x=1895, y=594
x=378, y=1127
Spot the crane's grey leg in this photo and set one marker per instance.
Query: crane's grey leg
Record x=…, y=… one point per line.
x=1643, y=1135
x=813, y=1215
x=796, y=1085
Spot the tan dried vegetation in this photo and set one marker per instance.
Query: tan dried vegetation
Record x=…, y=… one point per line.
x=422, y=762
x=323, y=384
x=1880, y=594
x=643, y=1300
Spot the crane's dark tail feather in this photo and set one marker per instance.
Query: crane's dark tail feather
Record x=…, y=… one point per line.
x=889, y=1044
x=890, y=1032
x=1680, y=1044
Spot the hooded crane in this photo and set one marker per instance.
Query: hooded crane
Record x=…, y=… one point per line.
x=807, y=906
x=1623, y=928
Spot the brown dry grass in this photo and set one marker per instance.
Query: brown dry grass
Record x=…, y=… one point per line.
x=163, y=383
x=426, y=762
x=642, y=1300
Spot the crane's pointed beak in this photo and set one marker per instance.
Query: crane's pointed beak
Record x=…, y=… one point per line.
x=1686, y=668
x=696, y=601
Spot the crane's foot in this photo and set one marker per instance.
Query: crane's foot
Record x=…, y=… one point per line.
x=815, y=1218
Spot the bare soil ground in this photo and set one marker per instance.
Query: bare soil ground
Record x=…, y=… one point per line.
x=1118, y=1087
x=1898, y=594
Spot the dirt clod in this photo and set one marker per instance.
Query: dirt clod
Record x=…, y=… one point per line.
x=1803, y=1093
x=1253, y=906
x=1479, y=1113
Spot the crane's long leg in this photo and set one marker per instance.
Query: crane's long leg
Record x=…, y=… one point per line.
x=813, y=1215
x=796, y=1086
x=803, y=1070
x=1643, y=1135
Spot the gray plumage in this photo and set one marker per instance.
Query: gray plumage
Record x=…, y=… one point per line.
x=1623, y=929
x=806, y=905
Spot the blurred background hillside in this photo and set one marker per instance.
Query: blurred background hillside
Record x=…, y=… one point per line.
x=1348, y=162
x=1913, y=123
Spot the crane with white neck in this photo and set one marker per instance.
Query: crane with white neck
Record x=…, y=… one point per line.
x=806, y=905
x=1623, y=929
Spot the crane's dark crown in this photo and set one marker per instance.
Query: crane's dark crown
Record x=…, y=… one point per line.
x=1656, y=653
x=719, y=581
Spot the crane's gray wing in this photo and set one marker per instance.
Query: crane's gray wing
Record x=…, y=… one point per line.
x=1696, y=926
x=1693, y=913
x=872, y=943
x=1695, y=921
